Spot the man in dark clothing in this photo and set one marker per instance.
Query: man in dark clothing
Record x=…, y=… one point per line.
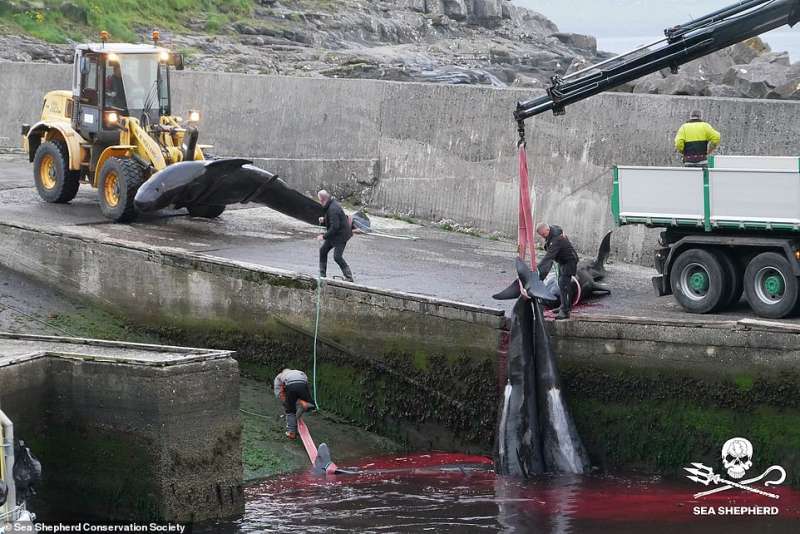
x=336, y=237
x=560, y=250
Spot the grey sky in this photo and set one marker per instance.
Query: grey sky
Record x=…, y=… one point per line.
x=620, y=19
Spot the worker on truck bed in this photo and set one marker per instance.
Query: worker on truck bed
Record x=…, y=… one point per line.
x=696, y=140
x=291, y=386
x=560, y=250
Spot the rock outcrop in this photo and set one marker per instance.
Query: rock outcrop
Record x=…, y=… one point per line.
x=489, y=42
x=746, y=70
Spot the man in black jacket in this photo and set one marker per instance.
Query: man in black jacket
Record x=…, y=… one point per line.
x=336, y=237
x=560, y=250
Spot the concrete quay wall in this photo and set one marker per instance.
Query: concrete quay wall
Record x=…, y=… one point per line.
x=658, y=395
x=369, y=339
x=437, y=151
x=123, y=440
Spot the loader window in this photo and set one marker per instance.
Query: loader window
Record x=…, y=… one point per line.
x=136, y=83
x=163, y=89
x=89, y=82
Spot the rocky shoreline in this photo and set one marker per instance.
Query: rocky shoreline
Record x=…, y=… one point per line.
x=488, y=42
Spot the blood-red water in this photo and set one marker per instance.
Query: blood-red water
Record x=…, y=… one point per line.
x=460, y=493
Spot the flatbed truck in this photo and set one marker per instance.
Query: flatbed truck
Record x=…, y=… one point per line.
x=730, y=228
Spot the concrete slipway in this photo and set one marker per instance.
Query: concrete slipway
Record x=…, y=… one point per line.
x=417, y=359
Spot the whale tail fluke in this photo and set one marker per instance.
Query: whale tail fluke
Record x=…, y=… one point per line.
x=603, y=252
x=535, y=432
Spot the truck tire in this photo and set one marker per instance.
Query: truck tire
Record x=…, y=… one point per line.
x=206, y=212
x=698, y=280
x=770, y=286
x=734, y=284
x=54, y=181
x=120, y=178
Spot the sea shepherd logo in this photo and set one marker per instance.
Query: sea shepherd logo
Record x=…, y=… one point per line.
x=737, y=459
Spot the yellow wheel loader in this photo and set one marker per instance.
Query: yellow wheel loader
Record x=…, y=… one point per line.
x=114, y=129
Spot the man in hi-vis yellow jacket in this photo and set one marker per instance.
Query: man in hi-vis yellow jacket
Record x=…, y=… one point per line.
x=696, y=140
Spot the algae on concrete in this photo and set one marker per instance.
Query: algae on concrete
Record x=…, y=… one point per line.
x=267, y=452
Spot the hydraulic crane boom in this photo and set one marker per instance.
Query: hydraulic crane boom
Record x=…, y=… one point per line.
x=680, y=45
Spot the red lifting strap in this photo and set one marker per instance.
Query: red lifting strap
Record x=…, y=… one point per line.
x=525, y=235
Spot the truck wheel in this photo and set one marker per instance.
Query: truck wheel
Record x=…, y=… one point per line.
x=770, y=286
x=120, y=178
x=733, y=284
x=207, y=212
x=697, y=280
x=54, y=181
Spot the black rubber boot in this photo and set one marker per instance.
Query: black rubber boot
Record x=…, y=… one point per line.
x=348, y=275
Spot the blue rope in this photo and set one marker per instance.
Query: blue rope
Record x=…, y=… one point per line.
x=316, y=333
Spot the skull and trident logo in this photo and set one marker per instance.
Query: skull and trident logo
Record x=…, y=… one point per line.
x=737, y=458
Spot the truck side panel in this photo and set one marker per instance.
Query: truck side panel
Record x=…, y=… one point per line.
x=766, y=163
x=710, y=198
x=742, y=197
x=661, y=196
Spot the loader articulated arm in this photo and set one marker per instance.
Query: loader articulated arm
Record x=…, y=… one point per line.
x=681, y=44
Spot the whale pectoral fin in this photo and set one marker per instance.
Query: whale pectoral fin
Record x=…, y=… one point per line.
x=509, y=293
x=599, y=287
x=537, y=289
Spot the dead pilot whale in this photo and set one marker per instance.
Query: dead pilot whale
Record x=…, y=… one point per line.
x=535, y=431
x=589, y=278
x=222, y=182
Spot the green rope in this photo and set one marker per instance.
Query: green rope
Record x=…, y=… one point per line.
x=316, y=333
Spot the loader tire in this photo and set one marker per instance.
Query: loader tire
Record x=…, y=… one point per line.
x=206, y=212
x=120, y=178
x=55, y=182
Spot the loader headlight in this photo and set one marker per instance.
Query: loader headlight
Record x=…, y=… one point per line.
x=194, y=116
x=111, y=118
x=163, y=56
x=113, y=58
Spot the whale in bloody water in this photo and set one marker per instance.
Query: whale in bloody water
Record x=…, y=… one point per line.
x=535, y=431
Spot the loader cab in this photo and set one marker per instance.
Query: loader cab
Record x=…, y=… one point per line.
x=120, y=80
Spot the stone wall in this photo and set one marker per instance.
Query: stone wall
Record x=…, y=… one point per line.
x=658, y=395
x=442, y=150
x=414, y=349
x=128, y=442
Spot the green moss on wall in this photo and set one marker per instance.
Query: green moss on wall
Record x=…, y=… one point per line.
x=665, y=436
x=615, y=382
x=391, y=395
x=660, y=420
x=120, y=485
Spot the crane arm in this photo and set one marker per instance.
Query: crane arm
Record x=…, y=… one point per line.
x=681, y=44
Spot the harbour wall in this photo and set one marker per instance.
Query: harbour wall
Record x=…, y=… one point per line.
x=651, y=395
x=440, y=151
x=126, y=438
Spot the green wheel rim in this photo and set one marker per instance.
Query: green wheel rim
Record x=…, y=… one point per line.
x=770, y=285
x=695, y=281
